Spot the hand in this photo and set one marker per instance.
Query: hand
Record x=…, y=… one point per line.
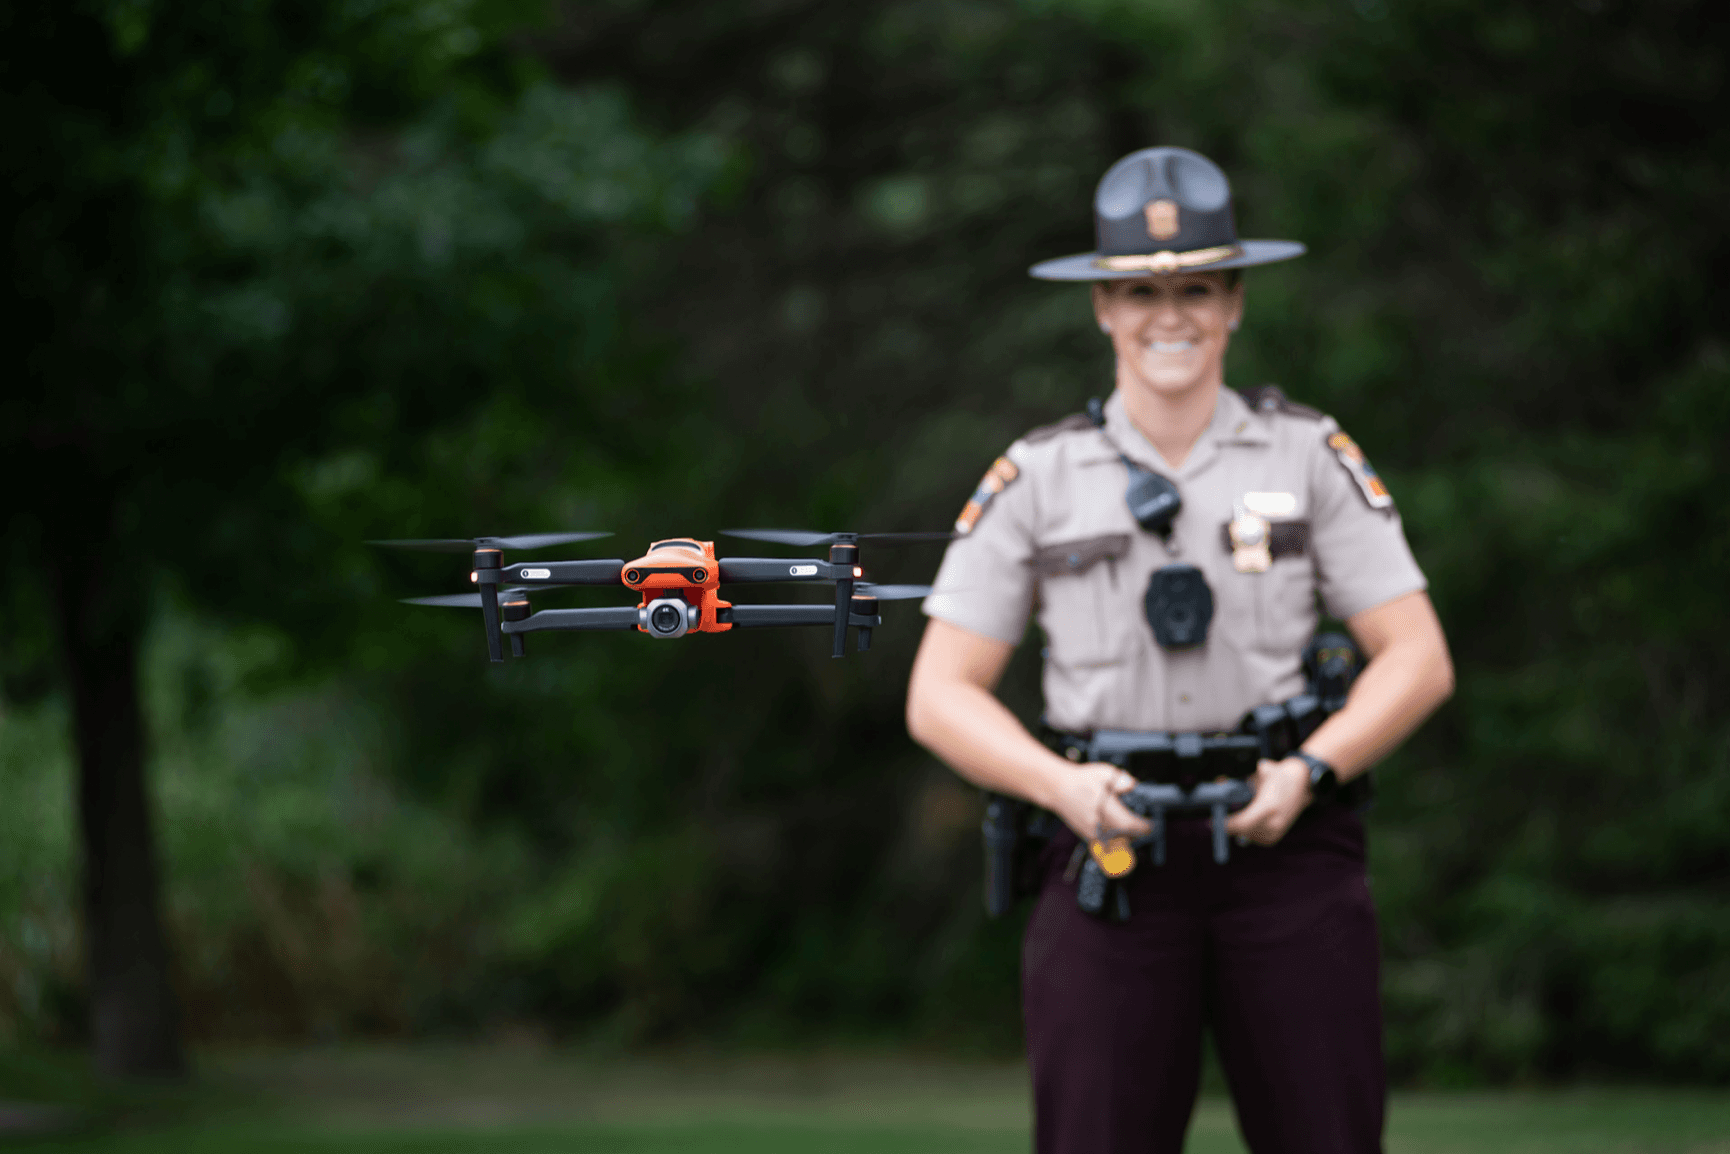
x=1086, y=800
x=1282, y=789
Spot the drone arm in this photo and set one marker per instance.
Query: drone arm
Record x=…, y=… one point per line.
x=564, y=572
x=612, y=617
x=758, y=616
x=746, y=570
x=763, y=616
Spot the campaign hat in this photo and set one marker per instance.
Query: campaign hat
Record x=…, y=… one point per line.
x=1164, y=210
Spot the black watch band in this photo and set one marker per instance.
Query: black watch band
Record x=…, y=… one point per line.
x=1323, y=779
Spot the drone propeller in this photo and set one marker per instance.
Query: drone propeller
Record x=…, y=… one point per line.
x=805, y=539
x=462, y=600
x=891, y=592
x=466, y=544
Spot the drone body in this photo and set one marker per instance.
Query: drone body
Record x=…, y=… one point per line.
x=678, y=583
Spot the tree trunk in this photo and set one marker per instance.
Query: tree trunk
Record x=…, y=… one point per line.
x=133, y=1019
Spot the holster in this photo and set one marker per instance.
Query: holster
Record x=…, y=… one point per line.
x=1016, y=833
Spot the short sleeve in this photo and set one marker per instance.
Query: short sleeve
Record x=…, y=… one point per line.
x=1361, y=555
x=986, y=582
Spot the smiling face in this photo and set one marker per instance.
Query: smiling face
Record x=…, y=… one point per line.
x=1169, y=332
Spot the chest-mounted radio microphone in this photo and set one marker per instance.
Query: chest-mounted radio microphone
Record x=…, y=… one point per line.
x=1153, y=500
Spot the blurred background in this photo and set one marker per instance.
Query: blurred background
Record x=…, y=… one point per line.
x=288, y=277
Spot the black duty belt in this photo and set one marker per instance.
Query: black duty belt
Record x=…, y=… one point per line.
x=1173, y=767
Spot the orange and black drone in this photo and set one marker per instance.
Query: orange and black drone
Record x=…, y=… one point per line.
x=678, y=582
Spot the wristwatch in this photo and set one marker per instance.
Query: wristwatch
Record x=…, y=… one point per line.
x=1323, y=779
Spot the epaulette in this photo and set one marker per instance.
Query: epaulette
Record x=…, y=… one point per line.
x=1270, y=399
x=1069, y=424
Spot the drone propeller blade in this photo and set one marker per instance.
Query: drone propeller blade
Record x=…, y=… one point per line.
x=806, y=539
x=802, y=538
x=431, y=544
x=459, y=600
x=540, y=540
x=906, y=538
x=469, y=544
x=892, y=592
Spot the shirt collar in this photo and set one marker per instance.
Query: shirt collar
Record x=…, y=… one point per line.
x=1233, y=423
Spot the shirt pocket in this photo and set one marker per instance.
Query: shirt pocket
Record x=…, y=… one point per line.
x=1080, y=596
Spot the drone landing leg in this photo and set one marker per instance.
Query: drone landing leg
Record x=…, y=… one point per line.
x=516, y=609
x=846, y=556
x=487, y=576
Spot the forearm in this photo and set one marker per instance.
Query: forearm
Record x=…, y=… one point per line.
x=1399, y=688
x=966, y=727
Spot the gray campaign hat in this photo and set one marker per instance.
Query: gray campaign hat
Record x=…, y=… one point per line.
x=1163, y=210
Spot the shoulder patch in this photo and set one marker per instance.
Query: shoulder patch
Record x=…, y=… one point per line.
x=1272, y=399
x=1358, y=466
x=1069, y=424
x=997, y=478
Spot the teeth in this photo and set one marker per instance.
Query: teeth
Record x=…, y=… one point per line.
x=1172, y=346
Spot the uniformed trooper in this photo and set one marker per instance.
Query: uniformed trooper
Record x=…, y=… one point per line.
x=1274, y=951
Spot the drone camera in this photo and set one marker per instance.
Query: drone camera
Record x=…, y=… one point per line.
x=668, y=617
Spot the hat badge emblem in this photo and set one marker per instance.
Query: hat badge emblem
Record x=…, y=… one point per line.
x=1161, y=218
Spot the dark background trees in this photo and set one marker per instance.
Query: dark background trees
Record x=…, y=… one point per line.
x=283, y=283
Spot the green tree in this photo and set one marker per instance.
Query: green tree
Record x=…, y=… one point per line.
x=256, y=249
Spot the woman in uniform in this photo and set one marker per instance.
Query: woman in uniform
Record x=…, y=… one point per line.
x=1274, y=950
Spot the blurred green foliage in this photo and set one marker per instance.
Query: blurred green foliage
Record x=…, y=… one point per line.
x=671, y=267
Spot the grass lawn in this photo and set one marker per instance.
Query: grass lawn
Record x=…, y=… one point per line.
x=457, y=1100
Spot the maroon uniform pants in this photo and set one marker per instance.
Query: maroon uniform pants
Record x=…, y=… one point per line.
x=1275, y=952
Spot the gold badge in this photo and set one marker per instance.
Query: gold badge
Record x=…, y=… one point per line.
x=1161, y=219
x=1368, y=483
x=996, y=479
x=1251, y=542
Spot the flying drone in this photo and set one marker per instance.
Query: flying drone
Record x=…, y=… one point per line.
x=678, y=582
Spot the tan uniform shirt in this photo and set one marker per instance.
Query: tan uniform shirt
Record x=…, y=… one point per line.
x=1059, y=539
